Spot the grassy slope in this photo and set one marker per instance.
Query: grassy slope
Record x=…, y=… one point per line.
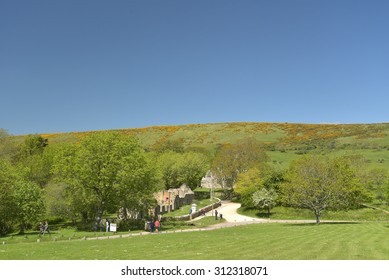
x=349, y=241
x=284, y=141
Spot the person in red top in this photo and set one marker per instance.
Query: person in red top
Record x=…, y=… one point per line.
x=156, y=225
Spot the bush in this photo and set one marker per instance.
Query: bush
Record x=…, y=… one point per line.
x=130, y=224
x=202, y=193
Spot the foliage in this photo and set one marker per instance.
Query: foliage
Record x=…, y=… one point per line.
x=322, y=183
x=20, y=200
x=248, y=183
x=33, y=144
x=103, y=171
x=57, y=204
x=8, y=207
x=183, y=168
x=193, y=169
x=30, y=203
x=255, y=179
x=233, y=159
x=138, y=180
x=265, y=199
x=8, y=146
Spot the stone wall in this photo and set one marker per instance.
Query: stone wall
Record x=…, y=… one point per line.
x=198, y=213
x=172, y=199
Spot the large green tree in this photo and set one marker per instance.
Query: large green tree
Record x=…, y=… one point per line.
x=37, y=156
x=248, y=183
x=262, y=176
x=21, y=201
x=183, y=168
x=233, y=159
x=194, y=167
x=29, y=199
x=108, y=170
x=321, y=183
x=8, y=207
x=169, y=163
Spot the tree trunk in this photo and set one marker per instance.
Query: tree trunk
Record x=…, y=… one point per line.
x=22, y=228
x=100, y=211
x=317, y=213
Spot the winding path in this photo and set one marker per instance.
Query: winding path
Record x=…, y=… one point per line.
x=229, y=211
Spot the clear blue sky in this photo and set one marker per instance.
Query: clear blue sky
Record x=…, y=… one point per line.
x=91, y=65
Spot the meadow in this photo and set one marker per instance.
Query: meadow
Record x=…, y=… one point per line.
x=268, y=241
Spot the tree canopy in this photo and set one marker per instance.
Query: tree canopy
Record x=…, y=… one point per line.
x=320, y=183
x=107, y=170
x=233, y=159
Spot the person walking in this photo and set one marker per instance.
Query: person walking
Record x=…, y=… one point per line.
x=46, y=228
x=107, y=225
x=151, y=227
x=216, y=214
x=41, y=228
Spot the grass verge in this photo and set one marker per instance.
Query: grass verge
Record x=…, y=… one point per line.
x=340, y=241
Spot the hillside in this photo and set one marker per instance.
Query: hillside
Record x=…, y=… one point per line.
x=283, y=141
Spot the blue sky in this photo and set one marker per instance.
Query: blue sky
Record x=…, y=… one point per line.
x=93, y=65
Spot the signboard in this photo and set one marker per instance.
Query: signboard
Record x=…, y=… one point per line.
x=112, y=227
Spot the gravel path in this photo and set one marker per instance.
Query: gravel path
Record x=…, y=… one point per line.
x=229, y=211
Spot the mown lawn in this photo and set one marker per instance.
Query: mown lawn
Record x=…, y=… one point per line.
x=335, y=241
x=288, y=213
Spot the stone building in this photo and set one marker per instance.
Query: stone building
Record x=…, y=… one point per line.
x=172, y=199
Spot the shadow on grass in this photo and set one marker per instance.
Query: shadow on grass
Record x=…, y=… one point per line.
x=262, y=215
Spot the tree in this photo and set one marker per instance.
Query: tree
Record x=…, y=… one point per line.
x=8, y=207
x=183, y=168
x=324, y=183
x=248, y=183
x=33, y=144
x=37, y=156
x=233, y=159
x=30, y=203
x=8, y=145
x=262, y=176
x=169, y=163
x=56, y=200
x=21, y=201
x=103, y=170
x=265, y=199
x=138, y=180
x=193, y=168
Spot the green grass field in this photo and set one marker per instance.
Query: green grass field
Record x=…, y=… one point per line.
x=287, y=213
x=343, y=241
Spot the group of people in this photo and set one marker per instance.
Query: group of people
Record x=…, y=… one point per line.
x=44, y=228
x=153, y=226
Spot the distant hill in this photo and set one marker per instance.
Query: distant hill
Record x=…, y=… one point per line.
x=283, y=141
